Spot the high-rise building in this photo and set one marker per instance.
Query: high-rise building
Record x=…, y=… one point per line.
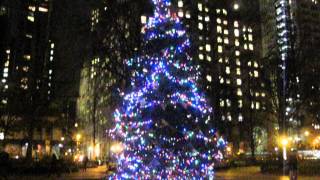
x=290, y=32
x=27, y=55
x=27, y=51
x=226, y=45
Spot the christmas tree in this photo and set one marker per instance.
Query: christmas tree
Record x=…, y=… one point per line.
x=163, y=121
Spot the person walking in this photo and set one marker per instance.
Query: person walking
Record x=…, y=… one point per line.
x=293, y=165
x=85, y=163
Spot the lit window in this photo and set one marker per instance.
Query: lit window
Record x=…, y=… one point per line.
x=226, y=32
x=238, y=62
x=240, y=118
x=207, y=18
x=219, y=39
x=239, y=82
x=188, y=16
x=256, y=74
x=236, y=32
x=143, y=19
x=220, y=49
x=218, y=11
x=29, y=36
x=209, y=78
x=237, y=43
x=257, y=105
x=27, y=57
x=224, y=11
x=180, y=13
x=250, y=37
x=225, y=22
x=32, y=8
x=221, y=81
x=30, y=18
x=180, y=3
x=228, y=81
x=219, y=29
x=229, y=117
x=238, y=71
x=240, y=104
x=43, y=9
x=244, y=29
x=237, y=53
x=221, y=103
x=218, y=20
x=255, y=64
x=200, y=26
x=251, y=47
x=208, y=47
x=220, y=60
x=228, y=102
x=245, y=46
x=228, y=70
x=239, y=92
x=25, y=68
x=52, y=45
x=226, y=40
x=209, y=58
x=201, y=57
x=236, y=24
x=236, y=6
x=200, y=6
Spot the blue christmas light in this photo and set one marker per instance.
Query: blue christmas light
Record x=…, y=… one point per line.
x=164, y=80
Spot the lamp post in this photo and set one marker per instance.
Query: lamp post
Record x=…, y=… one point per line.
x=284, y=142
x=78, y=138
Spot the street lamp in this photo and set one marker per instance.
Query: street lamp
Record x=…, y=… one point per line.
x=116, y=148
x=284, y=143
x=306, y=133
x=78, y=137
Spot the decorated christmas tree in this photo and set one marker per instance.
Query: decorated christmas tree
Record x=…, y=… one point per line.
x=164, y=121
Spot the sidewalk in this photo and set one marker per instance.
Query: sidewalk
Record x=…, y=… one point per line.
x=90, y=174
x=253, y=173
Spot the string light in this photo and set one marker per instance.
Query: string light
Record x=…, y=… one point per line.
x=164, y=121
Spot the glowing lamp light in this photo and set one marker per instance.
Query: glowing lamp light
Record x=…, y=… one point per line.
x=306, y=133
x=81, y=157
x=284, y=142
x=229, y=149
x=1, y=136
x=117, y=148
x=78, y=137
x=236, y=6
x=97, y=150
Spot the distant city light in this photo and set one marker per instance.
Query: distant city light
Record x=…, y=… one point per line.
x=306, y=133
x=1, y=135
x=236, y=6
